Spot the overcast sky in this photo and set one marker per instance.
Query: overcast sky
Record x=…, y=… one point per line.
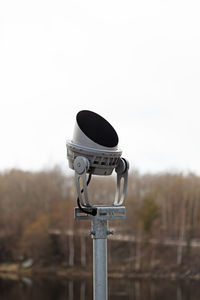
x=137, y=63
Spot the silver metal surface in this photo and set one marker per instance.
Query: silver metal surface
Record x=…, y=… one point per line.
x=81, y=166
x=122, y=181
x=99, y=232
x=100, y=284
x=102, y=162
x=103, y=213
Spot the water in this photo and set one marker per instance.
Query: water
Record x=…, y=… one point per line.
x=62, y=289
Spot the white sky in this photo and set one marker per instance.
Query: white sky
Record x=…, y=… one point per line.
x=137, y=63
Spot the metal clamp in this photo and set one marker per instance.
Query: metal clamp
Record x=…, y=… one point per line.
x=103, y=213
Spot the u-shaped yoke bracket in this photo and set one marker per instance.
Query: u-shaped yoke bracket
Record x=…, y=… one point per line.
x=81, y=166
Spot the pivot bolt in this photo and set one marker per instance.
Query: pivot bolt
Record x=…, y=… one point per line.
x=92, y=232
x=110, y=232
x=81, y=164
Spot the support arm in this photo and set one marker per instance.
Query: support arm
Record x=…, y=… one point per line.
x=122, y=175
x=81, y=165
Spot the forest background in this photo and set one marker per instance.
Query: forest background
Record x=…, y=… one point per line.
x=160, y=234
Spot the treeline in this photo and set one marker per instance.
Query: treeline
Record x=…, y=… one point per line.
x=36, y=215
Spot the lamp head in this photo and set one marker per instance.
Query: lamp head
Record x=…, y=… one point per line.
x=95, y=139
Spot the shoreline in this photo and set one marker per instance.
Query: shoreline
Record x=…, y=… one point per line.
x=15, y=271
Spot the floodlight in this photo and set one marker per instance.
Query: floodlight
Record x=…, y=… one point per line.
x=94, y=150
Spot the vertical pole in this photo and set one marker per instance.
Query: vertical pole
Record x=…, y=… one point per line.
x=100, y=269
x=99, y=232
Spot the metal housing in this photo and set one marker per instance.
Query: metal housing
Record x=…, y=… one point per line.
x=95, y=139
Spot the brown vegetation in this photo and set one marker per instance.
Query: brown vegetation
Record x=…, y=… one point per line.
x=161, y=232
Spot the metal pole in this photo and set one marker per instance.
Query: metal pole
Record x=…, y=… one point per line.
x=100, y=269
x=99, y=232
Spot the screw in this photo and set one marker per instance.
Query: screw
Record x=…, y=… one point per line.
x=110, y=232
x=92, y=232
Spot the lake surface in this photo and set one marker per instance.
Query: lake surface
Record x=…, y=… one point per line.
x=62, y=289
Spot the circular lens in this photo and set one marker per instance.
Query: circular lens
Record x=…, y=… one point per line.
x=97, y=128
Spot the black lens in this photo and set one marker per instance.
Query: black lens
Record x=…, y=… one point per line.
x=97, y=128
